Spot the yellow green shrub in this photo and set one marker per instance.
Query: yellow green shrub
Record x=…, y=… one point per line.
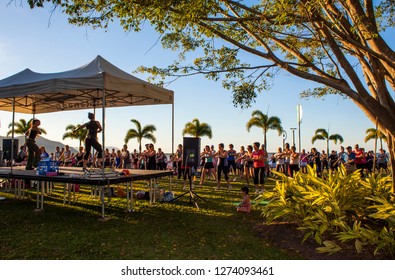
x=335, y=209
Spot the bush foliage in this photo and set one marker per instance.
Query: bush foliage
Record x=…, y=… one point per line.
x=337, y=209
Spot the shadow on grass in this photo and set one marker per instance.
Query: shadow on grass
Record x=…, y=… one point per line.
x=176, y=230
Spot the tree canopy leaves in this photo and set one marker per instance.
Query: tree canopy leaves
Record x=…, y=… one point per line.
x=338, y=44
x=245, y=43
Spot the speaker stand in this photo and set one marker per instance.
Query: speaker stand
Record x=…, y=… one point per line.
x=193, y=196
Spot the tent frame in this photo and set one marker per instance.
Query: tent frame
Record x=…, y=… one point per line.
x=94, y=84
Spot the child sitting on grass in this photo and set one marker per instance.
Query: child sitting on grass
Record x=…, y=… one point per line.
x=245, y=204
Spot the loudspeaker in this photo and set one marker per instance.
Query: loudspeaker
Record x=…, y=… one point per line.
x=191, y=151
x=7, y=148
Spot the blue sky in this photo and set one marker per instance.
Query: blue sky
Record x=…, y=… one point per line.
x=34, y=39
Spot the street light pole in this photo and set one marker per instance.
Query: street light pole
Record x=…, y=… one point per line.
x=299, y=113
x=293, y=135
x=284, y=138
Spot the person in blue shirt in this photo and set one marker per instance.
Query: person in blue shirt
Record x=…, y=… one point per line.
x=232, y=161
x=350, y=162
x=44, y=155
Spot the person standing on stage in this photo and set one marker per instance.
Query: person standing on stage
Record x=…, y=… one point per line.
x=94, y=127
x=34, y=151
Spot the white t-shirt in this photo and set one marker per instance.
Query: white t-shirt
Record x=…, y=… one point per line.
x=280, y=158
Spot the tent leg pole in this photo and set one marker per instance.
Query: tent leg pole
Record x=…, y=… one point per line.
x=172, y=128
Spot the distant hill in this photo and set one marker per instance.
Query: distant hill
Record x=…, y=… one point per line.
x=41, y=141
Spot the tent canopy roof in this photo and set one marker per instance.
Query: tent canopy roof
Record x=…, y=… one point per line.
x=80, y=88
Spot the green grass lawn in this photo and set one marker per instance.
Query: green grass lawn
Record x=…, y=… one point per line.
x=176, y=230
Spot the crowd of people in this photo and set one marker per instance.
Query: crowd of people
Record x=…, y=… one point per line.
x=255, y=164
x=30, y=154
x=120, y=159
x=288, y=160
x=252, y=163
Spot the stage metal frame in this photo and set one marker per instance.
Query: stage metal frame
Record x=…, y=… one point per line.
x=41, y=182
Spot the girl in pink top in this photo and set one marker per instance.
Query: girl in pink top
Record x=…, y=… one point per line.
x=245, y=204
x=303, y=159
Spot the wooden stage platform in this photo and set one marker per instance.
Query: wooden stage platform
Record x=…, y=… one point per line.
x=100, y=178
x=75, y=175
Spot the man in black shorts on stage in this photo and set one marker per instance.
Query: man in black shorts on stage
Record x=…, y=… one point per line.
x=93, y=127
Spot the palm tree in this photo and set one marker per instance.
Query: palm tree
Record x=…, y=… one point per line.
x=197, y=129
x=140, y=133
x=372, y=133
x=73, y=133
x=263, y=121
x=21, y=127
x=322, y=134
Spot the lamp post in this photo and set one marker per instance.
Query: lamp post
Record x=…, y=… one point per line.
x=293, y=135
x=299, y=115
x=284, y=138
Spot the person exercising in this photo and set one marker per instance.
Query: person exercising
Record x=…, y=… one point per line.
x=34, y=151
x=94, y=127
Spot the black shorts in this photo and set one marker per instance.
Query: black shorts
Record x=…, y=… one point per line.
x=232, y=163
x=248, y=164
x=382, y=165
x=208, y=165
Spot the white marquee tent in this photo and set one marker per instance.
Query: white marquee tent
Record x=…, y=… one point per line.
x=96, y=84
x=81, y=88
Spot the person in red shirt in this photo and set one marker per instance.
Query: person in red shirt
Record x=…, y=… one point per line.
x=360, y=159
x=258, y=157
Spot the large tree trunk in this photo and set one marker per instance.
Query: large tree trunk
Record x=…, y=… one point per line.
x=391, y=151
x=385, y=116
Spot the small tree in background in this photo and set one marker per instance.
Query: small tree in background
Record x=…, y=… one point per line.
x=322, y=134
x=197, y=129
x=264, y=122
x=140, y=133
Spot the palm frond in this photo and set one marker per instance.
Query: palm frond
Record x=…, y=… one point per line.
x=253, y=122
x=322, y=131
x=150, y=137
x=317, y=137
x=148, y=129
x=336, y=137
x=372, y=133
